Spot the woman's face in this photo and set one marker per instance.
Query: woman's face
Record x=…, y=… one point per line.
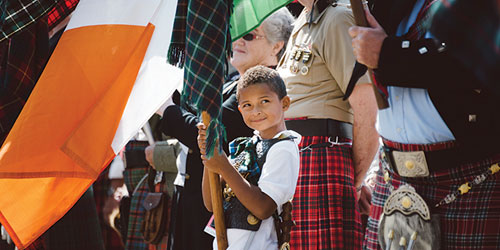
x=258, y=51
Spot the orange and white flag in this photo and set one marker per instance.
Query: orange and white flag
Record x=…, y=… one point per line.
x=106, y=77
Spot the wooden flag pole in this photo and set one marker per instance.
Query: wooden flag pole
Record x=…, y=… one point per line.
x=360, y=19
x=216, y=195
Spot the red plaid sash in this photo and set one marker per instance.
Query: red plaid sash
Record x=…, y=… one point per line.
x=420, y=27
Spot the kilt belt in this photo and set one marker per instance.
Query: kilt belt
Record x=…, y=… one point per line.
x=419, y=160
x=321, y=127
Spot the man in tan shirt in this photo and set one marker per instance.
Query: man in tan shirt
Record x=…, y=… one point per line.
x=316, y=68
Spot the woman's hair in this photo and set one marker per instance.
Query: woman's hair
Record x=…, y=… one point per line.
x=278, y=27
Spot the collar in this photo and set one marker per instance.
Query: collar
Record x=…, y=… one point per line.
x=304, y=18
x=318, y=11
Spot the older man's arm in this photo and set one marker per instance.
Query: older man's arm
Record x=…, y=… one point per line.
x=365, y=136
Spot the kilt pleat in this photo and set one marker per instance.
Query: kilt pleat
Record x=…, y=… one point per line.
x=324, y=206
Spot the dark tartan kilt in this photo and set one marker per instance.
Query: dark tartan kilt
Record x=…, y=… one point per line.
x=134, y=236
x=324, y=206
x=472, y=221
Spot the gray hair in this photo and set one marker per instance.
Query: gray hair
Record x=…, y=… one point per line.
x=278, y=27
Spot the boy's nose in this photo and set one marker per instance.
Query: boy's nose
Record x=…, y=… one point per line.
x=257, y=111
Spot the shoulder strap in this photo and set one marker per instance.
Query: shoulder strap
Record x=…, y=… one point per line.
x=262, y=159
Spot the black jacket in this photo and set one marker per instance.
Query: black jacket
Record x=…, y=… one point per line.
x=470, y=110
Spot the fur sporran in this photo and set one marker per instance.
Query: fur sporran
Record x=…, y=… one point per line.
x=407, y=223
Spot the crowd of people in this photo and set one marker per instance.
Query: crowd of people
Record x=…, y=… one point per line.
x=304, y=127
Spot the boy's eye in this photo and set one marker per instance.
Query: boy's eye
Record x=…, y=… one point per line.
x=246, y=105
x=264, y=101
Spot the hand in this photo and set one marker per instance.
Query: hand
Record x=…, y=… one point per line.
x=148, y=152
x=367, y=41
x=364, y=200
x=217, y=162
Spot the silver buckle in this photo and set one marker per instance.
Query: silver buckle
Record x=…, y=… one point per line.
x=411, y=164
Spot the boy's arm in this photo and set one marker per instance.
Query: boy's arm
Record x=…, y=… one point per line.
x=205, y=190
x=258, y=203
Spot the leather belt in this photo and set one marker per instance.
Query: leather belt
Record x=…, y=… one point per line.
x=320, y=127
x=421, y=163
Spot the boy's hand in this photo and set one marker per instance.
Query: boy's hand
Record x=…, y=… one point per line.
x=218, y=162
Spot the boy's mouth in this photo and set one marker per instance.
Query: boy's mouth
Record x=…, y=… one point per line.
x=259, y=120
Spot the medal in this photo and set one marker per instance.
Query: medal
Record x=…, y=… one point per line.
x=306, y=57
x=294, y=68
x=298, y=55
x=292, y=55
x=304, y=70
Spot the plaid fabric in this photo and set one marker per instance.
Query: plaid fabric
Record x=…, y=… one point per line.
x=22, y=60
x=163, y=245
x=206, y=51
x=471, y=33
x=134, y=235
x=176, y=51
x=470, y=222
x=243, y=152
x=325, y=208
x=421, y=25
x=62, y=9
x=419, y=147
x=18, y=14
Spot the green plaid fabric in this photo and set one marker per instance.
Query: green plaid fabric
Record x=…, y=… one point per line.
x=471, y=31
x=207, y=47
x=18, y=14
x=132, y=178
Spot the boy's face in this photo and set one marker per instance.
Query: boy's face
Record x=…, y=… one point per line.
x=262, y=109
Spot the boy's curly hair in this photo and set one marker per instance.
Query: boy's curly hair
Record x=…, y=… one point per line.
x=262, y=75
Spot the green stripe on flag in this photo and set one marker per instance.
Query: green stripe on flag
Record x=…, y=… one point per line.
x=249, y=14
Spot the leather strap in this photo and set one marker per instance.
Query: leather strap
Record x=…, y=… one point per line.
x=321, y=127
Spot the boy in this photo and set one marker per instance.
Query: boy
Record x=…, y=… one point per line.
x=256, y=185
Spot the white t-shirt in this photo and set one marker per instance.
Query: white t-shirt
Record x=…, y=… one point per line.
x=278, y=180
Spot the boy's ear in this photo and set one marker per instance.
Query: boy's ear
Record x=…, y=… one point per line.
x=285, y=102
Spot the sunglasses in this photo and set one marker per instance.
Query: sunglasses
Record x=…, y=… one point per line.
x=250, y=36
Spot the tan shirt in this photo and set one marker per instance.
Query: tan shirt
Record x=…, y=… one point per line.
x=316, y=83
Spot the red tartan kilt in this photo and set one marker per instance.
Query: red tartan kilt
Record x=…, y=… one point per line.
x=472, y=221
x=325, y=208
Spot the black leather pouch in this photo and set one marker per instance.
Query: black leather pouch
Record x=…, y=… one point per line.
x=237, y=216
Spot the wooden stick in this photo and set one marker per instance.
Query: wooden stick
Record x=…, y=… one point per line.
x=360, y=19
x=216, y=195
